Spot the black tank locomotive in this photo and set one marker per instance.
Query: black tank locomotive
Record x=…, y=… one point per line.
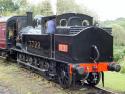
x=78, y=51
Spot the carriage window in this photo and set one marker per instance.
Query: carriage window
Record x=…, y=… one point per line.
x=11, y=33
x=63, y=22
x=85, y=23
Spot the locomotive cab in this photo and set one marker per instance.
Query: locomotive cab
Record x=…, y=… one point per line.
x=44, y=22
x=72, y=23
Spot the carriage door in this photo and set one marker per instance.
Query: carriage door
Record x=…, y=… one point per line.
x=12, y=32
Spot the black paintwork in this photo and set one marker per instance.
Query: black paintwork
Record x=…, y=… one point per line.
x=45, y=44
x=79, y=39
x=80, y=45
x=68, y=17
x=21, y=22
x=29, y=19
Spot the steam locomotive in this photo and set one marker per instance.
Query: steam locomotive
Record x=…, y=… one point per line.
x=78, y=51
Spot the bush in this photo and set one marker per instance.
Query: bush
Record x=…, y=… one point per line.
x=119, y=56
x=118, y=30
x=122, y=63
x=118, y=34
x=123, y=69
x=119, y=53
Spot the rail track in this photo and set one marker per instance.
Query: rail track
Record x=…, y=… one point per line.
x=104, y=91
x=99, y=90
x=92, y=90
x=79, y=89
x=85, y=90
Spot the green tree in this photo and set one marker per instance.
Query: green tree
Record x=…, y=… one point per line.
x=118, y=30
x=43, y=8
x=46, y=9
x=23, y=6
x=64, y=6
x=9, y=7
x=118, y=34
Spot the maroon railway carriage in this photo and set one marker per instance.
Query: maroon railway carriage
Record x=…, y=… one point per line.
x=3, y=35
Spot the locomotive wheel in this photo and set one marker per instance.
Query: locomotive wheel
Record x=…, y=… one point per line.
x=20, y=56
x=30, y=60
x=64, y=77
x=93, y=78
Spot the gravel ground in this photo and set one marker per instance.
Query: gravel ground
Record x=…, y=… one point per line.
x=17, y=80
x=4, y=90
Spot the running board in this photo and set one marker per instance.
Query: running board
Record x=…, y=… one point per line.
x=27, y=64
x=2, y=57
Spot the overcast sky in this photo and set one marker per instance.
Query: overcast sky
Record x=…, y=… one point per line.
x=105, y=9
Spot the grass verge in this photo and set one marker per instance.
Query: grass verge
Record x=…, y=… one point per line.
x=115, y=81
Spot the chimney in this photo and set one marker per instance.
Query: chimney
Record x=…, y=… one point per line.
x=29, y=18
